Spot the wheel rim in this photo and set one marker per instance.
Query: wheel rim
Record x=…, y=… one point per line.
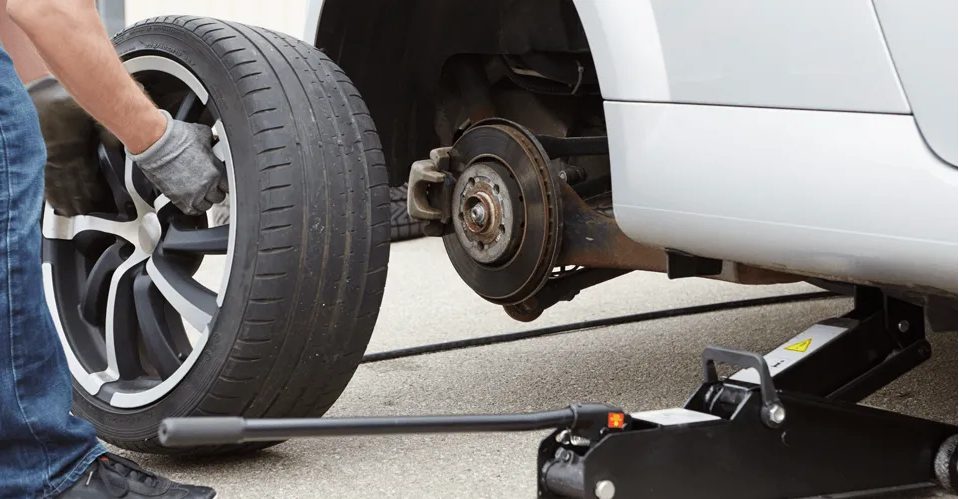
x=135, y=294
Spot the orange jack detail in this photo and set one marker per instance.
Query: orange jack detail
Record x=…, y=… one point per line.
x=616, y=420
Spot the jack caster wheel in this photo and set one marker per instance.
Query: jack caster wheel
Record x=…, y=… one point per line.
x=265, y=312
x=945, y=465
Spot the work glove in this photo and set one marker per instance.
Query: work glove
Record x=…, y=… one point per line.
x=73, y=182
x=182, y=165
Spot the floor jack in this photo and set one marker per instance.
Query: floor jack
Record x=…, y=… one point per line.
x=785, y=425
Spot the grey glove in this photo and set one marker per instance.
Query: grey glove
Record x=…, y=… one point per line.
x=72, y=181
x=182, y=165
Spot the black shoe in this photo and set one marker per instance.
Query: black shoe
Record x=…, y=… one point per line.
x=112, y=476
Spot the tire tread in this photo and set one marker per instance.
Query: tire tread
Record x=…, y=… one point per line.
x=298, y=327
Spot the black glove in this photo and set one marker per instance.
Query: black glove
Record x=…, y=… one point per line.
x=72, y=176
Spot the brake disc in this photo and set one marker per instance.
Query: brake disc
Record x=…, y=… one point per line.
x=505, y=212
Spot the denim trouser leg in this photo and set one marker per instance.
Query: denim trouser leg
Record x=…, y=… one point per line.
x=43, y=449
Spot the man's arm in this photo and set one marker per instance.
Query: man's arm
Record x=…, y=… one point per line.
x=72, y=41
x=27, y=61
x=175, y=156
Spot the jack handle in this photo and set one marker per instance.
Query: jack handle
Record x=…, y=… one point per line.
x=188, y=432
x=773, y=413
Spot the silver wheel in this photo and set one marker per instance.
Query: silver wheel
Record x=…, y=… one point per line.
x=135, y=293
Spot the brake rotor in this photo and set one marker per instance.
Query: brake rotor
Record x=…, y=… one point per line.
x=505, y=212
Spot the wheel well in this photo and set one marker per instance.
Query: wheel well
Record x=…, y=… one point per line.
x=429, y=68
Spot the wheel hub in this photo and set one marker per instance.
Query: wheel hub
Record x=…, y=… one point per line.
x=505, y=212
x=484, y=212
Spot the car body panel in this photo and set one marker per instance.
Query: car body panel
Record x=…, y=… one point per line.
x=846, y=196
x=807, y=157
x=313, y=11
x=801, y=54
x=923, y=43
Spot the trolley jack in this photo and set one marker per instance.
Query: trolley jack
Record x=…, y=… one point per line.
x=785, y=425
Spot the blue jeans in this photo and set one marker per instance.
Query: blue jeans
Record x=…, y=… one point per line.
x=43, y=448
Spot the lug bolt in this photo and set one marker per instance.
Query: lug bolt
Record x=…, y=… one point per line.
x=478, y=214
x=605, y=489
x=903, y=326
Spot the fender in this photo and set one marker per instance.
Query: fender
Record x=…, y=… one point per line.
x=797, y=54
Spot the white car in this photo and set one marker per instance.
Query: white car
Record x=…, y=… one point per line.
x=750, y=141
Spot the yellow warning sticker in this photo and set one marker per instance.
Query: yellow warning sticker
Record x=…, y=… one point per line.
x=800, y=347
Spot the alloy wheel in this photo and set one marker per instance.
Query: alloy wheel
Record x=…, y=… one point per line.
x=135, y=292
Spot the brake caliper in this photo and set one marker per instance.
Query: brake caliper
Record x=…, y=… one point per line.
x=430, y=188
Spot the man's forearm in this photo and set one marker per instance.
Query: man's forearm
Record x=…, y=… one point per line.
x=72, y=41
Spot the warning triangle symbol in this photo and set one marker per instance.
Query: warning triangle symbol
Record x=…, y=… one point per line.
x=800, y=347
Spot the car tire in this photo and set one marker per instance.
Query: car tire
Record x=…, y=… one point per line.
x=402, y=226
x=309, y=240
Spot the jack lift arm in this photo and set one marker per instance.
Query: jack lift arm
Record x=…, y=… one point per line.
x=785, y=425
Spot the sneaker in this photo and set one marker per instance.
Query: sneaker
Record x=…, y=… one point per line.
x=113, y=476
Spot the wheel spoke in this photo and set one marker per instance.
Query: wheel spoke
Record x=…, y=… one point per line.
x=218, y=151
x=67, y=228
x=92, y=244
x=212, y=241
x=121, y=321
x=93, y=297
x=155, y=330
x=186, y=105
x=195, y=303
x=112, y=163
x=128, y=170
x=222, y=151
x=160, y=202
x=220, y=147
x=111, y=166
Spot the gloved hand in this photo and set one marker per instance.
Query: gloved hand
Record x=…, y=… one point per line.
x=182, y=165
x=73, y=183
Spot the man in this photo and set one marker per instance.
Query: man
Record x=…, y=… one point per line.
x=44, y=450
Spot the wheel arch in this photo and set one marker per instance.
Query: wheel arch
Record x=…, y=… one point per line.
x=396, y=57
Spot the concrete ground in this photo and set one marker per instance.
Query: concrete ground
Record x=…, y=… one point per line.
x=639, y=366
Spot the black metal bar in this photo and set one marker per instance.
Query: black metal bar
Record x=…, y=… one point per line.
x=175, y=432
x=897, y=364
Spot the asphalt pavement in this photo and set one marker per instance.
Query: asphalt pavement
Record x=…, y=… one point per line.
x=640, y=366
